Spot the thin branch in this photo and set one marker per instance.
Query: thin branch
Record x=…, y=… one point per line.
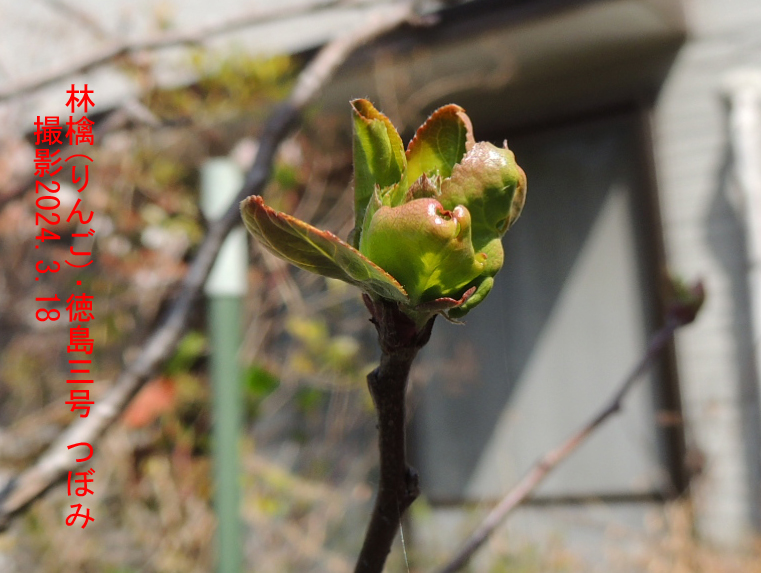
x=163, y=40
x=30, y=435
x=54, y=464
x=400, y=341
x=81, y=17
x=681, y=313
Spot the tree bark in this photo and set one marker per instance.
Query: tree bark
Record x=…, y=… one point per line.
x=400, y=340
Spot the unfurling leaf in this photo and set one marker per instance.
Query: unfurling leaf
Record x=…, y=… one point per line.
x=439, y=145
x=318, y=251
x=379, y=158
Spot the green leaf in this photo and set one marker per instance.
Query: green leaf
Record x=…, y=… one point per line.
x=484, y=286
x=373, y=205
x=445, y=303
x=310, y=399
x=260, y=382
x=189, y=350
x=492, y=186
x=317, y=251
x=379, y=158
x=439, y=144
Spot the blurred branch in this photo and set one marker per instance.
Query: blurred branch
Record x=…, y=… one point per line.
x=163, y=40
x=30, y=435
x=81, y=17
x=686, y=302
x=53, y=465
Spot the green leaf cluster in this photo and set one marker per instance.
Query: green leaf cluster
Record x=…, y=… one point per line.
x=428, y=220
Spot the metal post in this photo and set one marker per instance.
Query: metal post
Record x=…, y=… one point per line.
x=220, y=181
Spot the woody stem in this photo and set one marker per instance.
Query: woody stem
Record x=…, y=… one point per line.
x=400, y=342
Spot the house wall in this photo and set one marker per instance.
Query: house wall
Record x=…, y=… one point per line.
x=702, y=224
x=704, y=237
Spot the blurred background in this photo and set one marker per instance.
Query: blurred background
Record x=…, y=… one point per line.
x=637, y=123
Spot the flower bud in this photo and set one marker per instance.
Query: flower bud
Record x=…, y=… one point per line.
x=428, y=220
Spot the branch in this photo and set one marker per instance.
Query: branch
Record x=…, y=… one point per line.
x=681, y=312
x=81, y=17
x=164, y=40
x=398, y=485
x=58, y=460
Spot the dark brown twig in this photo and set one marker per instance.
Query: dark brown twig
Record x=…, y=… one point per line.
x=53, y=465
x=400, y=342
x=681, y=312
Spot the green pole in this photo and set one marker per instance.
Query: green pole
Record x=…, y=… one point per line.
x=224, y=322
x=220, y=181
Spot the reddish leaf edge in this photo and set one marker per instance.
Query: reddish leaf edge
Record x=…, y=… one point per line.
x=452, y=110
x=446, y=302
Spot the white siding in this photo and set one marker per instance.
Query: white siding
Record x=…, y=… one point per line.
x=704, y=238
